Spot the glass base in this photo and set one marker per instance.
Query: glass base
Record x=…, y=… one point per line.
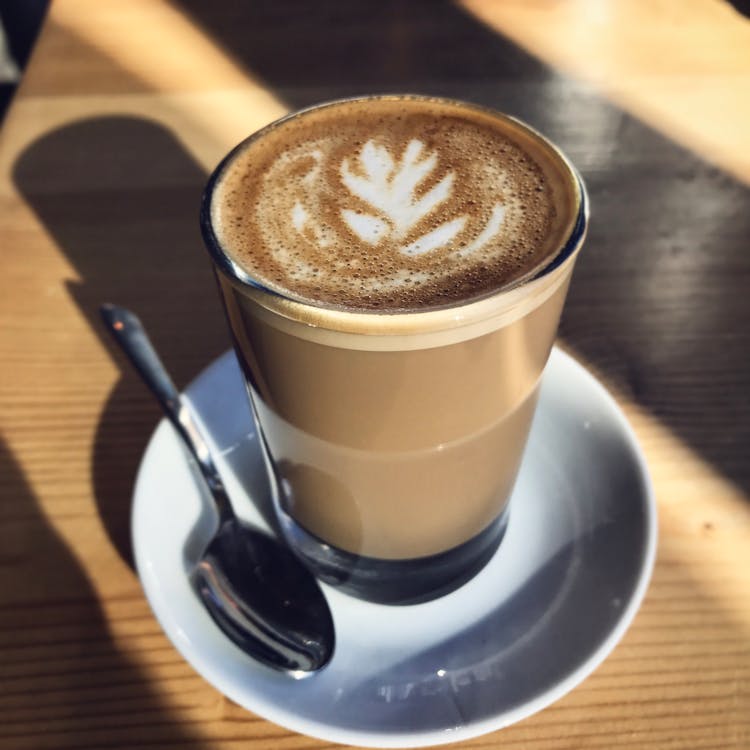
x=394, y=581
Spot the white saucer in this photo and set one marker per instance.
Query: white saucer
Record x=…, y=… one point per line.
x=545, y=612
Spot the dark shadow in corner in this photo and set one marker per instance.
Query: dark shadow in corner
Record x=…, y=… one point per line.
x=659, y=298
x=61, y=674
x=741, y=6
x=139, y=248
x=21, y=20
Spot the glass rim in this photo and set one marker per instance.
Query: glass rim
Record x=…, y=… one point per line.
x=288, y=304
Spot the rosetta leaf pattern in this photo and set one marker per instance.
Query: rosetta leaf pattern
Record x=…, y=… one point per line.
x=390, y=188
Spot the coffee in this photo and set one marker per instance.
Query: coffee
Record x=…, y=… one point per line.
x=393, y=271
x=403, y=204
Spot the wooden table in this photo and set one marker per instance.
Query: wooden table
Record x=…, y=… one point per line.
x=126, y=106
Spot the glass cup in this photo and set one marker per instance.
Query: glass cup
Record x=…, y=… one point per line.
x=393, y=440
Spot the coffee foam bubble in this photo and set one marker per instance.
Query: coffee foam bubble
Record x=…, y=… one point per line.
x=390, y=204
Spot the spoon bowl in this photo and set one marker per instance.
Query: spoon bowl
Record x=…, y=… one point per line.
x=252, y=588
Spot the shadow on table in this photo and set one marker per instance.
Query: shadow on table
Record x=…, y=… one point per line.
x=333, y=49
x=138, y=248
x=658, y=300
x=60, y=672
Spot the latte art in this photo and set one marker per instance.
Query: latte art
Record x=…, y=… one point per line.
x=392, y=190
x=406, y=204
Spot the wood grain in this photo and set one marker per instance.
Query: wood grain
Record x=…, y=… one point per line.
x=125, y=108
x=682, y=67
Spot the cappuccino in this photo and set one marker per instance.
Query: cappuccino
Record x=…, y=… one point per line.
x=402, y=204
x=393, y=271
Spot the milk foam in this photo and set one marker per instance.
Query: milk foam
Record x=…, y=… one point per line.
x=387, y=204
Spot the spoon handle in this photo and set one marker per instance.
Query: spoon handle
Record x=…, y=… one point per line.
x=127, y=330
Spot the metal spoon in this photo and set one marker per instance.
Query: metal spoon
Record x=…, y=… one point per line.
x=256, y=590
